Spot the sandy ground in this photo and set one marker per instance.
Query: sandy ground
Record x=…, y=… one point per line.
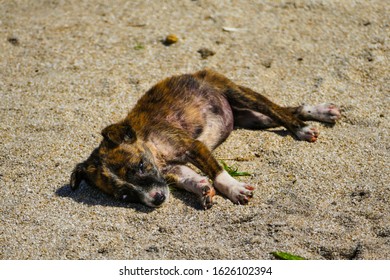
x=69, y=68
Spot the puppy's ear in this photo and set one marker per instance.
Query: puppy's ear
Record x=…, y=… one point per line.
x=78, y=174
x=118, y=133
x=86, y=170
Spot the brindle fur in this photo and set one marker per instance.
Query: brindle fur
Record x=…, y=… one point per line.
x=181, y=120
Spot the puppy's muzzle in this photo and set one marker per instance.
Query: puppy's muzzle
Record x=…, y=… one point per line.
x=159, y=198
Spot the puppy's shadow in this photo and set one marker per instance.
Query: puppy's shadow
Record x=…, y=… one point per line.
x=189, y=199
x=88, y=195
x=285, y=133
x=91, y=196
x=281, y=132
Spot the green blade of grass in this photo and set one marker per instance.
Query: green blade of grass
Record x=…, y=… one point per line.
x=234, y=171
x=139, y=46
x=286, y=256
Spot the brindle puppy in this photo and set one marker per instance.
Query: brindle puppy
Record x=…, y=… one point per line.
x=181, y=120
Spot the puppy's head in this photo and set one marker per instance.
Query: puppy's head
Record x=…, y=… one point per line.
x=123, y=167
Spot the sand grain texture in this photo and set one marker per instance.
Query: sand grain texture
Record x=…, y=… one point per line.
x=69, y=68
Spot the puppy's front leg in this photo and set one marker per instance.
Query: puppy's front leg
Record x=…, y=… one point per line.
x=186, y=178
x=238, y=192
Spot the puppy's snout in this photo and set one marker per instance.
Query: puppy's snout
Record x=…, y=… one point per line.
x=159, y=198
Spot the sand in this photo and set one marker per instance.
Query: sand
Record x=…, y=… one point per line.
x=69, y=68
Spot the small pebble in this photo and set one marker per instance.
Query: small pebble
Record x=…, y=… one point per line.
x=205, y=53
x=171, y=39
x=14, y=41
x=267, y=63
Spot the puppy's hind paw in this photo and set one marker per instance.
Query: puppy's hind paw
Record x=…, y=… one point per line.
x=325, y=112
x=307, y=133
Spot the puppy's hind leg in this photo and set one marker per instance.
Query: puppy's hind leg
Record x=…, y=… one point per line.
x=325, y=112
x=186, y=178
x=264, y=113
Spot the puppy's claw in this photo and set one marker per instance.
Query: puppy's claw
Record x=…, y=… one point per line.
x=207, y=203
x=242, y=199
x=245, y=195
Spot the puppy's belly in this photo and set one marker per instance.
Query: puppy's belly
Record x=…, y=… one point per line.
x=218, y=124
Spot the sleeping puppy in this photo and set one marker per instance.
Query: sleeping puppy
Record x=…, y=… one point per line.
x=181, y=120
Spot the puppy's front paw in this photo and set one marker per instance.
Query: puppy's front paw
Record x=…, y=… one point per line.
x=207, y=193
x=237, y=192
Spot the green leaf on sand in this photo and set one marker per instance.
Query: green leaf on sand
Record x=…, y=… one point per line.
x=286, y=256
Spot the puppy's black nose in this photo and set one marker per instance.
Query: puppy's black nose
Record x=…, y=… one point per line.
x=159, y=198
